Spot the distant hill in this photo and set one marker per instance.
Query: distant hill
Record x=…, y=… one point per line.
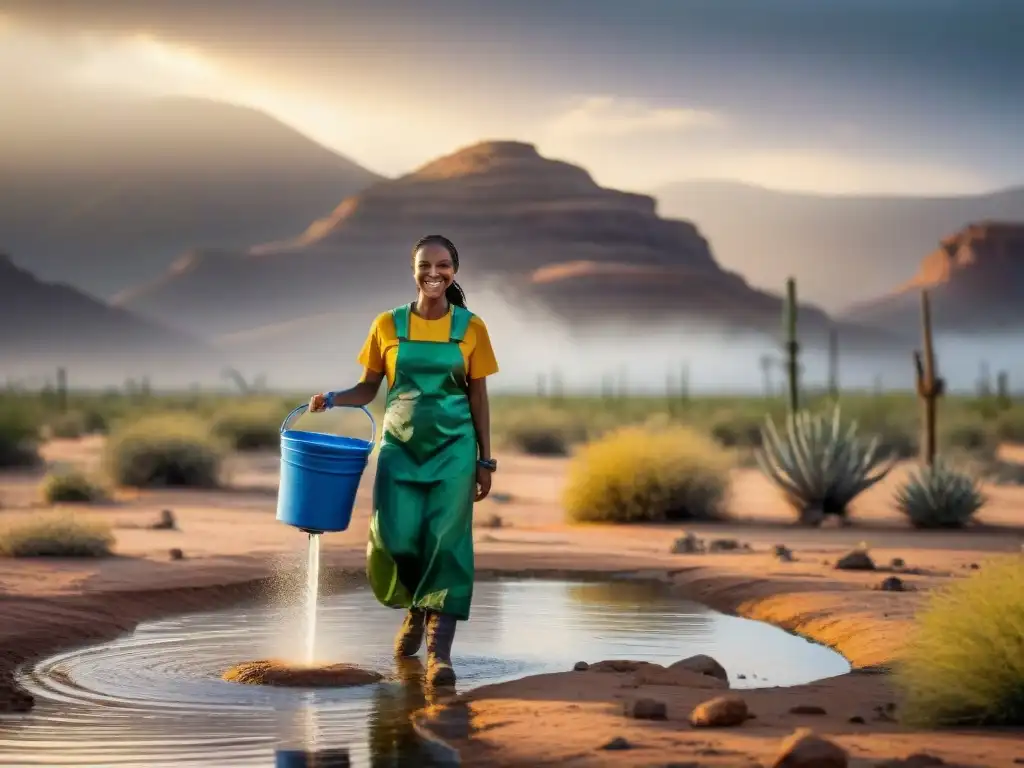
x=536, y=228
x=842, y=249
x=975, y=279
x=104, y=194
x=46, y=325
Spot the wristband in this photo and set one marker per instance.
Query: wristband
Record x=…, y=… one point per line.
x=329, y=399
x=489, y=464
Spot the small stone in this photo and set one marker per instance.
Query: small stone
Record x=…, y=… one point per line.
x=783, y=553
x=892, y=584
x=703, y=665
x=278, y=673
x=856, y=560
x=805, y=749
x=687, y=544
x=616, y=744
x=646, y=709
x=492, y=521
x=720, y=712
x=741, y=677
x=166, y=521
x=724, y=545
x=580, y=666
x=974, y=566
x=856, y=720
x=897, y=562
x=176, y=554
x=807, y=709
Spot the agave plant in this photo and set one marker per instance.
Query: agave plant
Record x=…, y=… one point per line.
x=939, y=496
x=818, y=464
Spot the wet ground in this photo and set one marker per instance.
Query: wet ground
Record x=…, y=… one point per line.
x=155, y=697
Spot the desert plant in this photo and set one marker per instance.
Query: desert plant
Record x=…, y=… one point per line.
x=648, y=475
x=68, y=425
x=964, y=665
x=1010, y=425
x=250, y=428
x=165, y=450
x=58, y=535
x=69, y=485
x=541, y=431
x=737, y=431
x=820, y=466
x=938, y=496
x=19, y=437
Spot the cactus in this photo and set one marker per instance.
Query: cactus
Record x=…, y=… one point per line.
x=62, y=390
x=766, y=362
x=984, y=385
x=930, y=387
x=833, y=363
x=684, y=382
x=792, y=346
x=1003, y=390
x=819, y=465
x=937, y=496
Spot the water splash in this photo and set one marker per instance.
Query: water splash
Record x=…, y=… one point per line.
x=312, y=595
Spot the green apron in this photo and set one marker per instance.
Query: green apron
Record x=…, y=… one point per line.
x=420, y=550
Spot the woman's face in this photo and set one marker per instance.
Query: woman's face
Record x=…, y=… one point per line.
x=434, y=270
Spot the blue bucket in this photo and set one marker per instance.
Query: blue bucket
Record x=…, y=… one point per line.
x=320, y=475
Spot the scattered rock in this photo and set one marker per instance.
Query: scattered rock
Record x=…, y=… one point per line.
x=720, y=712
x=491, y=521
x=166, y=521
x=974, y=566
x=580, y=666
x=856, y=720
x=805, y=749
x=500, y=498
x=620, y=665
x=176, y=554
x=724, y=545
x=703, y=665
x=807, y=709
x=856, y=560
x=783, y=553
x=676, y=676
x=646, y=709
x=741, y=677
x=687, y=544
x=616, y=744
x=897, y=562
x=279, y=673
x=893, y=584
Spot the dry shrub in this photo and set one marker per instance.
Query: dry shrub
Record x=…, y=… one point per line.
x=172, y=450
x=56, y=535
x=19, y=437
x=250, y=427
x=648, y=475
x=541, y=431
x=72, y=486
x=965, y=664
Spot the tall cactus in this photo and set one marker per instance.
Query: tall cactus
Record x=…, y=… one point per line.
x=792, y=348
x=1003, y=389
x=62, y=390
x=930, y=387
x=833, y=363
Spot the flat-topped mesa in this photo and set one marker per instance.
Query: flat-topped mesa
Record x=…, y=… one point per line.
x=988, y=245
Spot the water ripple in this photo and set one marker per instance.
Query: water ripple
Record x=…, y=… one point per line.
x=155, y=697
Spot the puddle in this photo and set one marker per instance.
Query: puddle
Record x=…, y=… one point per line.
x=155, y=697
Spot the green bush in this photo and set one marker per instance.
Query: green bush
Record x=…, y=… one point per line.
x=249, y=428
x=540, y=431
x=71, y=486
x=738, y=431
x=648, y=475
x=970, y=438
x=56, y=536
x=172, y=450
x=965, y=663
x=19, y=436
x=1010, y=426
x=939, y=497
x=67, y=425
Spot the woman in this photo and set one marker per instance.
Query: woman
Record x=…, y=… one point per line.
x=435, y=454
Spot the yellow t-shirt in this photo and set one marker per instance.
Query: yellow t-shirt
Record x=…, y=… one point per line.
x=380, y=350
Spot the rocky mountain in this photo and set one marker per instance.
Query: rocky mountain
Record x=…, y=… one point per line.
x=843, y=249
x=975, y=279
x=539, y=231
x=104, y=194
x=46, y=325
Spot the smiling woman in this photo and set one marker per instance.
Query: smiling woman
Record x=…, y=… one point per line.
x=434, y=460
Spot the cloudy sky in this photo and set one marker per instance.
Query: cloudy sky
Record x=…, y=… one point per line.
x=838, y=96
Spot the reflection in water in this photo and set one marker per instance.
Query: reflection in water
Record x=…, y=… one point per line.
x=155, y=697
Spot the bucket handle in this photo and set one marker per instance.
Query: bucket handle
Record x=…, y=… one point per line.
x=287, y=423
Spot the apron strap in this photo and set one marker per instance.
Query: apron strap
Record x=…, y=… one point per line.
x=401, y=317
x=460, y=323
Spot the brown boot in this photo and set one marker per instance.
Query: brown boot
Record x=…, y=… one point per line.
x=440, y=634
x=410, y=637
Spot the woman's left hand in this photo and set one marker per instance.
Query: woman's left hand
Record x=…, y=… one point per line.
x=483, y=483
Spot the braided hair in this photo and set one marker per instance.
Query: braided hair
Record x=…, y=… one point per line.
x=454, y=294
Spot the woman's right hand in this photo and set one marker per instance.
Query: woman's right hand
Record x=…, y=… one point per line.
x=317, y=403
